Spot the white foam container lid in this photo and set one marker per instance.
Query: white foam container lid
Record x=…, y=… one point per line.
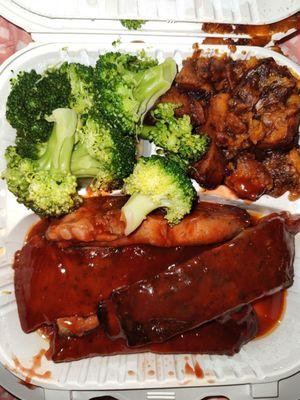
x=259, y=365
x=62, y=19
x=222, y=11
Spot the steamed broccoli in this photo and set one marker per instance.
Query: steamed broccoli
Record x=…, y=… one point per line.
x=46, y=185
x=157, y=182
x=175, y=135
x=103, y=154
x=127, y=86
x=81, y=78
x=133, y=24
x=34, y=96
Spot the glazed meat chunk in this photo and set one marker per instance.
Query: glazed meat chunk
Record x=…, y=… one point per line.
x=210, y=170
x=250, y=179
x=205, y=73
x=227, y=129
x=285, y=172
x=189, y=105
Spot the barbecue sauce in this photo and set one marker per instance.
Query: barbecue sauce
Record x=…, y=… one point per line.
x=51, y=282
x=83, y=268
x=270, y=312
x=260, y=35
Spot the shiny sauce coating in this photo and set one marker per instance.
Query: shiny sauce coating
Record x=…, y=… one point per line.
x=89, y=273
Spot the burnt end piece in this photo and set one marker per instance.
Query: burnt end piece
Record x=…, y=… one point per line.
x=210, y=170
x=285, y=172
x=189, y=105
x=222, y=336
x=256, y=263
x=250, y=179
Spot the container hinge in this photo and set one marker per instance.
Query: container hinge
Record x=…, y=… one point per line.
x=265, y=390
x=156, y=395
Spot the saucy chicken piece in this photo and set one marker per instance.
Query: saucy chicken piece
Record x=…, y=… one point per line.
x=275, y=127
x=210, y=170
x=205, y=73
x=189, y=105
x=263, y=84
x=285, y=171
x=223, y=336
x=250, y=179
x=266, y=91
x=101, y=226
x=229, y=131
x=191, y=78
x=258, y=262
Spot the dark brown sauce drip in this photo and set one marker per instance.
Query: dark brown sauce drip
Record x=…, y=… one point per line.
x=31, y=372
x=260, y=34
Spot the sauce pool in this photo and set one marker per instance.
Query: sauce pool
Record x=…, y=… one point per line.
x=270, y=311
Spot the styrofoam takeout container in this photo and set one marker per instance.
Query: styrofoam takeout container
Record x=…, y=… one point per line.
x=265, y=368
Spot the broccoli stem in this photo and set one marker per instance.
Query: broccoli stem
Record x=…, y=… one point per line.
x=61, y=142
x=82, y=164
x=135, y=211
x=154, y=82
x=144, y=131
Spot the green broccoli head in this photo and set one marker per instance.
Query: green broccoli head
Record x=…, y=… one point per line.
x=127, y=86
x=46, y=185
x=52, y=193
x=175, y=135
x=157, y=182
x=32, y=97
x=103, y=154
x=133, y=24
x=18, y=174
x=81, y=78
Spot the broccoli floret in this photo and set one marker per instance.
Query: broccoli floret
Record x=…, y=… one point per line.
x=157, y=182
x=81, y=78
x=133, y=24
x=127, y=87
x=175, y=135
x=46, y=185
x=32, y=97
x=103, y=154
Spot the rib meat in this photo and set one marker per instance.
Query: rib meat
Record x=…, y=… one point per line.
x=256, y=263
x=98, y=222
x=223, y=336
x=52, y=283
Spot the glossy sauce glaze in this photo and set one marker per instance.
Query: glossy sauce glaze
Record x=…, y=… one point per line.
x=57, y=297
x=223, y=336
x=270, y=311
x=51, y=282
x=256, y=263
